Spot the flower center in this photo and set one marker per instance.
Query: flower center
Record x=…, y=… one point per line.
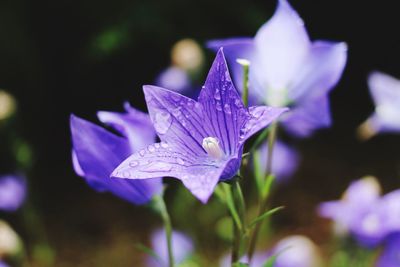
x=211, y=146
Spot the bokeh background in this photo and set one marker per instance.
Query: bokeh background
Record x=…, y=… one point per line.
x=62, y=57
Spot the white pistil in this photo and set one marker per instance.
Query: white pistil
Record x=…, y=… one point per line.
x=211, y=146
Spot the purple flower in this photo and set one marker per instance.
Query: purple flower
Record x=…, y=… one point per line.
x=175, y=79
x=12, y=192
x=367, y=216
x=182, y=247
x=390, y=256
x=288, y=69
x=296, y=251
x=96, y=152
x=285, y=160
x=201, y=142
x=3, y=264
x=385, y=92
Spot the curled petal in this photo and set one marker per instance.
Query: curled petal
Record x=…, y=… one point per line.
x=98, y=152
x=133, y=124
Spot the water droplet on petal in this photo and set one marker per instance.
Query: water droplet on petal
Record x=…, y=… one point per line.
x=151, y=148
x=164, y=144
x=218, y=106
x=157, y=145
x=227, y=109
x=176, y=111
x=180, y=161
x=133, y=163
x=126, y=174
x=238, y=103
x=176, y=97
x=162, y=122
x=217, y=96
x=256, y=112
x=142, y=152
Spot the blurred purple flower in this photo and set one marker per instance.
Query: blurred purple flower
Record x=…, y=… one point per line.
x=182, y=247
x=258, y=259
x=201, y=142
x=390, y=256
x=96, y=152
x=12, y=192
x=3, y=264
x=296, y=251
x=288, y=69
x=175, y=79
x=286, y=160
x=367, y=216
x=385, y=92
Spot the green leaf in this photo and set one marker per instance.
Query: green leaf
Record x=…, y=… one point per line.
x=271, y=261
x=264, y=216
x=267, y=186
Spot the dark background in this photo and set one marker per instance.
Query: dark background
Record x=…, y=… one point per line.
x=54, y=61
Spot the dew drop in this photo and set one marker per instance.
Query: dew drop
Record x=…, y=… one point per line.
x=126, y=174
x=151, y=148
x=176, y=111
x=142, y=152
x=238, y=103
x=256, y=112
x=157, y=145
x=218, y=106
x=162, y=122
x=176, y=97
x=217, y=96
x=133, y=163
x=227, y=109
x=190, y=103
x=164, y=144
x=180, y=161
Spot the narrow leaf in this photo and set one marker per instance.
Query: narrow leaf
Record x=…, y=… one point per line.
x=264, y=216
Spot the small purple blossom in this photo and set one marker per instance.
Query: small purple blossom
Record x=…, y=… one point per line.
x=286, y=160
x=287, y=69
x=96, y=152
x=174, y=78
x=182, y=247
x=369, y=217
x=201, y=141
x=12, y=192
x=385, y=92
x=390, y=256
x=3, y=264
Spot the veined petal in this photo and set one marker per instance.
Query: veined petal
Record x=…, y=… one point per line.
x=223, y=106
x=235, y=48
x=133, y=124
x=198, y=173
x=311, y=115
x=320, y=71
x=282, y=44
x=98, y=152
x=260, y=117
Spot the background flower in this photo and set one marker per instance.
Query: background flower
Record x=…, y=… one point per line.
x=12, y=192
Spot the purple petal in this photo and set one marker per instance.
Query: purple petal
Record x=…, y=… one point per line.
x=235, y=48
x=385, y=91
x=282, y=44
x=12, y=192
x=260, y=117
x=75, y=163
x=133, y=124
x=98, y=152
x=182, y=247
x=3, y=264
x=198, y=173
x=223, y=106
x=390, y=255
x=319, y=73
x=309, y=116
x=285, y=160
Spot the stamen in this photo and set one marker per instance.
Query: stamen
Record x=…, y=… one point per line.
x=211, y=146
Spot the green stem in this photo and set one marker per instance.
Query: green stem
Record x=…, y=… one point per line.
x=168, y=227
x=238, y=234
x=264, y=196
x=245, y=64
